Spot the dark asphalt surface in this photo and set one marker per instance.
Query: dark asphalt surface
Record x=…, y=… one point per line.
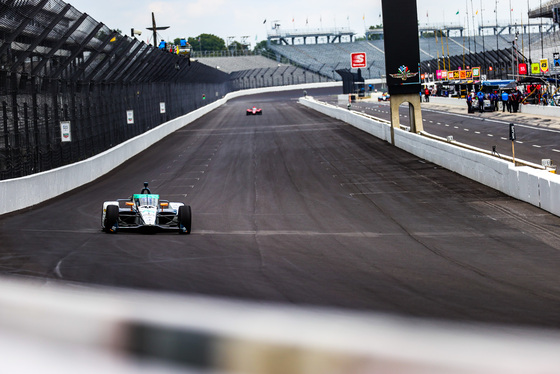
x=295, y=207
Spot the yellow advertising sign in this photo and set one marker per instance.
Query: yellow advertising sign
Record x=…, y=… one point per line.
x=535, y=68
x=463, y=74
x=544, y=65
x=453, y=74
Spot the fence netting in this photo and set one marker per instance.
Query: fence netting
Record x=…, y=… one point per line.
x=71, y=88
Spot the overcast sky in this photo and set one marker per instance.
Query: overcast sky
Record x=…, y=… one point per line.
x=228, y=18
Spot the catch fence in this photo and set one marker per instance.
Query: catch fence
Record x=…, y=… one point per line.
x=71, y=88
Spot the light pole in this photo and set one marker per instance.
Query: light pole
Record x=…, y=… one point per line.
x=513, y=54
x=429, y=72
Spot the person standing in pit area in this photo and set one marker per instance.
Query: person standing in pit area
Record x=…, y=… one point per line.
x=480, y=96
x=494, y=100
x=516, y=99
x=505, y=101
x=512, y=99
x=469, y=103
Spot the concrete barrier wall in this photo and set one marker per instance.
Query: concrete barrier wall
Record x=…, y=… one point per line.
x=375, y=128
x=27, y=191
x=448, y=101
x=537, y=187
x=541, y=110
x=68, y=329
x=20, y=193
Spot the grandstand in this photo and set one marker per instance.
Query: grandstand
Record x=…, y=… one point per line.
x=508, y=45
x=544, y=10
x=319, y=62
x=326, y=58
x=550, y=42
x=500, y=46
x=230, y=65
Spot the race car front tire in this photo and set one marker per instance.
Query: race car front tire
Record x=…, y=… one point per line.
x=185, y=219
x=111, y=219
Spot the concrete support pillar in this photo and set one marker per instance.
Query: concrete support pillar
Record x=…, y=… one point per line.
x=415, y=113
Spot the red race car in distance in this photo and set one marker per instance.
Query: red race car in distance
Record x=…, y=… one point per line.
x=254, y=111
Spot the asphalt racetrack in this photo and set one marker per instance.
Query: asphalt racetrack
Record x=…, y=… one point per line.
x=295, y=207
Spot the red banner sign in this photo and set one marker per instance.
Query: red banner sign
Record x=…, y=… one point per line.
x=358, y=60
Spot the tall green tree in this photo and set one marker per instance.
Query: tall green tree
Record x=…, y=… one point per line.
x=375, y=37
x=260, y=46
x=207, y=42
x=236, y=46
x=262, y=49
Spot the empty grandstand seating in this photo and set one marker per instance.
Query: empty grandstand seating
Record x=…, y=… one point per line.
x=325, y=58
x=319, y=62
x=232, y=64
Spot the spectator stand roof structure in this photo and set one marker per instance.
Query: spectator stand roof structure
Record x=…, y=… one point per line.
x=289, y=37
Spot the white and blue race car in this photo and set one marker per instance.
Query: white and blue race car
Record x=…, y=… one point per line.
x=145, y=212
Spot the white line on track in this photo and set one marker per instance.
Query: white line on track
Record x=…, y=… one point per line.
x=57, y=270
x=491, y=120
x=293, y=233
